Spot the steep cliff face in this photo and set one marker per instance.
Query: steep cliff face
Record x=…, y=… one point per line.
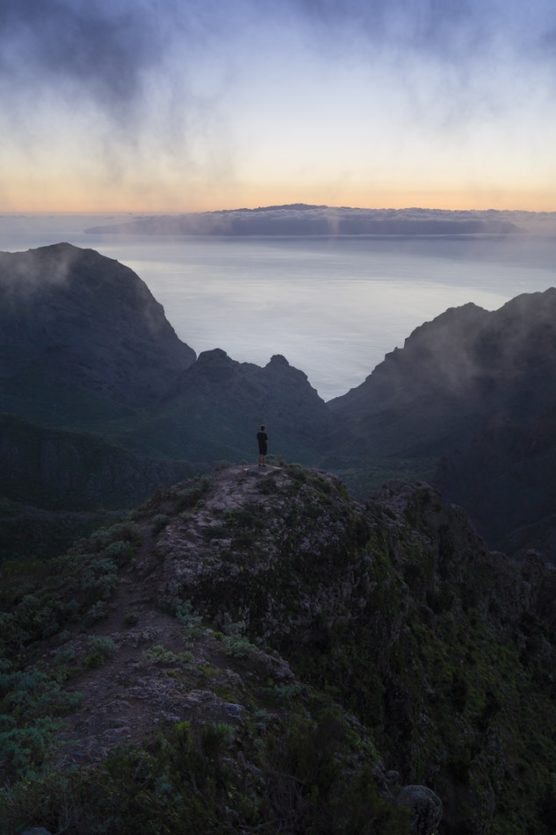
x=465, y=367
x=470, y=400
x=422, y=396
x=275, y=655
x=81, y=338
x=84, y=345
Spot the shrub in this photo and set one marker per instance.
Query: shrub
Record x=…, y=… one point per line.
x=161, y=655
x=189, y=618
x=100, y=577
x=238, y=646
x=216, y=737
x=120, y=551
x=98, y=611
x=100, y=650
x=24, y=750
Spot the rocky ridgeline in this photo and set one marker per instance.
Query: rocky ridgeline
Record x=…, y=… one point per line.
x=256, y=651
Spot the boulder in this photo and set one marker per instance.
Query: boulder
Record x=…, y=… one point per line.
x=425, y=808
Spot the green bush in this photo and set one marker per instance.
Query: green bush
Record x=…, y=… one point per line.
x=189, y=618
x=101, y=649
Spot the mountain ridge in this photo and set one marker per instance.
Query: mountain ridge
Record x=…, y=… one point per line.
x=468, y=380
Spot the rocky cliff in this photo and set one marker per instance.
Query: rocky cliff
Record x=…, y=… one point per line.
x=255, y=651
x=84, y=345
x=82, y=340
x=217, y=404
x=476, y=389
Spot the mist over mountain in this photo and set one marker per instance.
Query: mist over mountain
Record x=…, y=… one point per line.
x=468, y=402
x=255, y=645
x=476, y=389
x=81, y=338
x=303, y=219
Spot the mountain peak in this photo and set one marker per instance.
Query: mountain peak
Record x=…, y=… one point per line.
x=83, y=322
x=214, y=356
x=278, y=361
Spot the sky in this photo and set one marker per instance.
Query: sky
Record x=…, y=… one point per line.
x=187, y=105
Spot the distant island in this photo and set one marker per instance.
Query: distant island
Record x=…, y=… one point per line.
x=302, y=219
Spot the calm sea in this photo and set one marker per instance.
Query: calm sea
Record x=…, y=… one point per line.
x=332, y=306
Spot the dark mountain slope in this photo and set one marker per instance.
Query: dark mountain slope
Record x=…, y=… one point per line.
x=255, y=651
x=82, y=339
x=66, y=470
x=506, y=479
x=217, y=405
x=56, y=486
x=465, y=366
x=422, y=396
x=478, y=390
x=84, y=345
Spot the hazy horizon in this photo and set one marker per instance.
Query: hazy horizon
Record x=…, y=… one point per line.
x=222, y=208
x=333, y=306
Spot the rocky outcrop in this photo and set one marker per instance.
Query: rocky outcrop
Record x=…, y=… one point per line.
x=217, y=405
x=304, y=657
x=425, y=808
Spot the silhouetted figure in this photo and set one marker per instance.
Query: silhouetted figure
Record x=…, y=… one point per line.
x=262, y=439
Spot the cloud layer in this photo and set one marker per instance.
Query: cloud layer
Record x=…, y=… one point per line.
x=175, y=103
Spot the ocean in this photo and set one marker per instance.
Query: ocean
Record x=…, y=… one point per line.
x=332, y=306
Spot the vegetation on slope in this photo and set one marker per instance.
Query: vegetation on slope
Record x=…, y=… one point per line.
x=256, y=651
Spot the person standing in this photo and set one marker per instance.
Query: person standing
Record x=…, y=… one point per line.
x=262, y=439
